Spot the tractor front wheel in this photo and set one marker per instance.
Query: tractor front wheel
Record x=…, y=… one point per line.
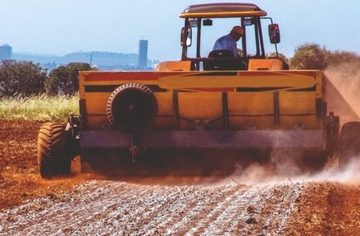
x=54, y=152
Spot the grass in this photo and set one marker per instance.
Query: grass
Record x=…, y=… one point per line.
x=39, y=108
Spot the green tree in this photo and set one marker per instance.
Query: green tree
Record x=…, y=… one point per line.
x=21, y=79
x=349, y=61
x=310, y=56
x=64, y=79
x=339, y=57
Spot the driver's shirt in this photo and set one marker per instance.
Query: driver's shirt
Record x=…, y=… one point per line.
x=226, y=42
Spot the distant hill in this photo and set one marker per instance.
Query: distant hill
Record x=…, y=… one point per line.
x=101, y=59
x=42, y=59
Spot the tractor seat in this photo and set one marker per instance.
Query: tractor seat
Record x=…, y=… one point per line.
x=221, y=54
x=222, y=60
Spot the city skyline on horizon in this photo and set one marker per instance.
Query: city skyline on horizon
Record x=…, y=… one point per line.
x=54, y=54
x=103, y=60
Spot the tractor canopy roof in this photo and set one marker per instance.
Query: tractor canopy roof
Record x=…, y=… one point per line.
x=222, y=10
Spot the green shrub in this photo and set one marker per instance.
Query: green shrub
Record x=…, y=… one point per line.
x=313, y=56
x=309, y=56
x=63, y=80
x=21, y=79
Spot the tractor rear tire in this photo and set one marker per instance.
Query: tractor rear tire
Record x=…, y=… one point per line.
x=349, y=142
x=132, y=108
x=54, y=154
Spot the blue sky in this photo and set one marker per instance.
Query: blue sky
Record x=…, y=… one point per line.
x=64, y=26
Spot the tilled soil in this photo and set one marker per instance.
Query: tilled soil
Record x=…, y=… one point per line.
x=18, y=144
x=113, y=207
x=19, y=172
x=89, y=205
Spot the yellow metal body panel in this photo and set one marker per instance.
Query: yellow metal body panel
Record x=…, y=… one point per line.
x=174, y=66
x=233, y=80
x=200, y=105
x=250, y=104
x=250, y=95
x=251, y=110
x=97, y=101
x=265, y=64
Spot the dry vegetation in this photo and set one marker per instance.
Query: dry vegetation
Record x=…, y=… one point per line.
x=38, y=108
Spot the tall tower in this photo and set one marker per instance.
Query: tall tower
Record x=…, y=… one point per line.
x=5, y=52
x=143, y=54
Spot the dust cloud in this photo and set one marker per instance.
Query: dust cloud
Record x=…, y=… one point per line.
x=346, y=78
x=284, y=167
x=272, y=174
x=349, y=174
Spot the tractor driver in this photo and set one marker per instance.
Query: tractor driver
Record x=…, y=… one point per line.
x=228, y=42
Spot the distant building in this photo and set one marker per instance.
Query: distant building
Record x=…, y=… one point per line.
x=5, y=52
x=143, y=54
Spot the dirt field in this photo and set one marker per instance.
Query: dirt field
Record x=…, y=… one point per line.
x=19, y=178
x=254, y=202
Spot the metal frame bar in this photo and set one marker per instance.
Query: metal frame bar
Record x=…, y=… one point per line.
x=83, y=114
x=223, y=139
x=176, y=109
x=184, y=47
x=257, y=36
x=198, y=47
x=261, y=38
x=276, y=101
x=225, y=107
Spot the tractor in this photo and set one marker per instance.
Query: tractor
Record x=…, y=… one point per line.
x=205, y=112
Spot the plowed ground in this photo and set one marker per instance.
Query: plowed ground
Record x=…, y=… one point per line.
x=89, y=205
x=19, y=178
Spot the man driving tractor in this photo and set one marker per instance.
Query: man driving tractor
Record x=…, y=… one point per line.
x=228, y=42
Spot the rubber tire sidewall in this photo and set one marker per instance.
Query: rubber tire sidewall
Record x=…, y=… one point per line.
x=54, y=156
x=146, y=106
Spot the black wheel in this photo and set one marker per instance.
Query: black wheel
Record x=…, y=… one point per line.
x=54, y=153
x=349, y=141
x=132, y=108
